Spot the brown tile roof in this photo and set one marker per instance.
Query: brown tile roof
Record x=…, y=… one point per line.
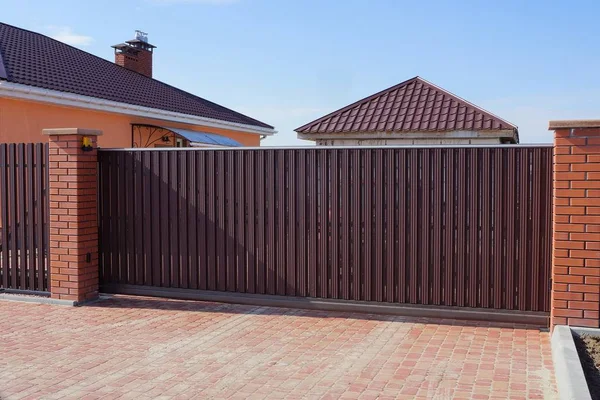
x=411, y=106
x=33, y=59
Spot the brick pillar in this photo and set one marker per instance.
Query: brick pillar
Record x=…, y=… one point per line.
x=576, y=246
x=73, y=215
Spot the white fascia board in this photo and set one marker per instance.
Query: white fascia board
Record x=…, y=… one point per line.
x=25, y=92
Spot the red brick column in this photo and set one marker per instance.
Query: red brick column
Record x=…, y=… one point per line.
x=576, y=245
x=73, y=215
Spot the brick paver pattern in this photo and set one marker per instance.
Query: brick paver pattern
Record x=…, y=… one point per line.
x=138, y=348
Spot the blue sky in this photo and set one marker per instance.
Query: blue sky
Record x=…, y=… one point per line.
x=287, y=62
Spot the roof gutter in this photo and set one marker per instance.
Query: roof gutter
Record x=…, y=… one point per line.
x=26, y=92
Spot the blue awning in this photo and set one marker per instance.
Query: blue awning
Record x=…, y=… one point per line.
x=205, y=138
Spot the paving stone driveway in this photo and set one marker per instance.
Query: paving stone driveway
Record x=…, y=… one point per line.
x=137, y=348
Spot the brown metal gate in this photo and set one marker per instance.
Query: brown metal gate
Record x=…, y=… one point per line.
x=24, y=217
x=452, y=226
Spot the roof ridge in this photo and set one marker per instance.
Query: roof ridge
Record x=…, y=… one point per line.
x=460, y=99
x=209, y=104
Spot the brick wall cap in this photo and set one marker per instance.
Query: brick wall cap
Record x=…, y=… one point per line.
x=574, y=124
x=72, y=131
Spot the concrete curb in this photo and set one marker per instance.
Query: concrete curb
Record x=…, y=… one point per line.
x=567, y=367
x=48, y=300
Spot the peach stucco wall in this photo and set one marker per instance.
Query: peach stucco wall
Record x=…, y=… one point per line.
x=23, y=121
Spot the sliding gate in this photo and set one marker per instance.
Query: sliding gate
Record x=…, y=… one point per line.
x=441, y=226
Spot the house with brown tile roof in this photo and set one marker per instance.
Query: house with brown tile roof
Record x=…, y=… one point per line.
x=45, y=83
x=414, y=112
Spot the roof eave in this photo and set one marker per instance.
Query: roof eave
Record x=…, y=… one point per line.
x=511, y=134
x=32, y=93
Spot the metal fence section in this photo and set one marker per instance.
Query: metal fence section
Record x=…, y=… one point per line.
x=24, y=217
x=458, y=226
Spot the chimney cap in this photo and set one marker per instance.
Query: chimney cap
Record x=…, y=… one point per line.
x=140, y=38
x=126, y=48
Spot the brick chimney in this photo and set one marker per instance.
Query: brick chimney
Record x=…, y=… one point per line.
x=135, y=54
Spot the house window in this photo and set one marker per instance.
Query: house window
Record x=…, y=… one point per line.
x=179, y=143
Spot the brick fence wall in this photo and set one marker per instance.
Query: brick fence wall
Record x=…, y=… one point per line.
x=576, y=247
